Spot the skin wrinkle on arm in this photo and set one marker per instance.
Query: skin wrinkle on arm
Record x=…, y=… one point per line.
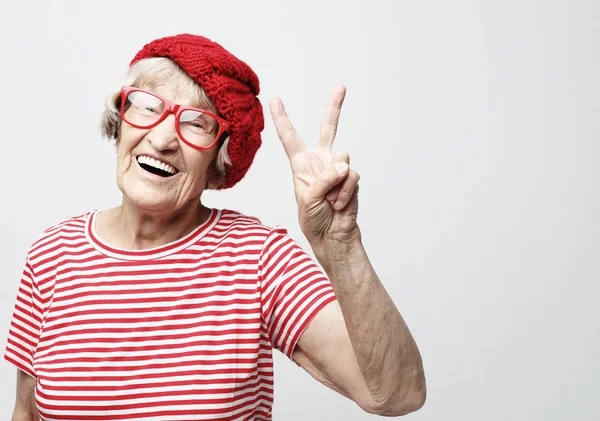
x=384, y=347
x=381, y=367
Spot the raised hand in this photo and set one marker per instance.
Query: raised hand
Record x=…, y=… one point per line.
x=325, y=186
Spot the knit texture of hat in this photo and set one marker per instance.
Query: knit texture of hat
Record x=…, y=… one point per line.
x=229, y=83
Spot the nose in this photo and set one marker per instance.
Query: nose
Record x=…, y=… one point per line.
x=163, y=136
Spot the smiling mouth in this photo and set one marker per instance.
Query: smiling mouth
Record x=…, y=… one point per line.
x=156, y=167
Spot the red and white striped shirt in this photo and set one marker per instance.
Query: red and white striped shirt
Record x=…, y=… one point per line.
x=180, y=332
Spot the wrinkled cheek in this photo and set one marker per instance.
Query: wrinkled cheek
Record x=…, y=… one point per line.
x=184, y=191
x=123, y=168
x=120, y=179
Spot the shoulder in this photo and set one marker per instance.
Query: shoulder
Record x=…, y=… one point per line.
x=76, y=222
x=68, y=229
x=235, y=221
x=247, y=230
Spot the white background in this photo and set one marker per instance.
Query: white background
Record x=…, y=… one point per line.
x=474, y=125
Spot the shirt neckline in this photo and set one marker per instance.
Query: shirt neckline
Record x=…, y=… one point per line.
x=153, y=253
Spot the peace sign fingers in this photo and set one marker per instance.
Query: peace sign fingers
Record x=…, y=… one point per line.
x=292, y=144
x=332, y=117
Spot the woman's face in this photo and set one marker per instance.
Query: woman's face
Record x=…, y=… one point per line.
x=185, y=170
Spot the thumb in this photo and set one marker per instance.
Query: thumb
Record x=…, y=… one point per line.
x=328, y=179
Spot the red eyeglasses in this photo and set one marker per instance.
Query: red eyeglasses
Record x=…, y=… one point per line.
x=198, y=128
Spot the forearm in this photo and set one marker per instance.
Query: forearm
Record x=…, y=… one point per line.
x=385, y=350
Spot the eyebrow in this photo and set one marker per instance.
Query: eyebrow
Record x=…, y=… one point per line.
x=204, y=105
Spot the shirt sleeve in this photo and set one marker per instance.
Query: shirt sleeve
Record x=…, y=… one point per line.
x=25, y=326
x=293, y=290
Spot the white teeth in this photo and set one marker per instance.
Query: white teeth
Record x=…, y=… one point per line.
x=142, y=159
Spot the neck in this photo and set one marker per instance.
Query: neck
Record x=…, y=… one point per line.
x=133, y=228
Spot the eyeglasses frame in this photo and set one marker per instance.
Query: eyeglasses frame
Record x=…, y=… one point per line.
x=176, y=109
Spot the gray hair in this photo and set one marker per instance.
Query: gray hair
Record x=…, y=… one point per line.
x=151, y=73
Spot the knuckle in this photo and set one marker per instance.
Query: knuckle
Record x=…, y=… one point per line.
x=344, y=156
x=289, y=133
x=327, y=131
x=341, y=157
x=326, y=176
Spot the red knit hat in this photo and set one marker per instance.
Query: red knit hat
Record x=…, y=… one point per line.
x=229, y=83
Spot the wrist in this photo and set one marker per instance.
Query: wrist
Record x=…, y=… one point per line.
x=336, y=249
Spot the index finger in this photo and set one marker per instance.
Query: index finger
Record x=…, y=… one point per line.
x=292, y=144
x=332, y=117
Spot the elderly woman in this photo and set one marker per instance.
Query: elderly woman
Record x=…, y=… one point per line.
x=164, y=309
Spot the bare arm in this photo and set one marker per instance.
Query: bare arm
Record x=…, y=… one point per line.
x=361, y=346
x=25, y=408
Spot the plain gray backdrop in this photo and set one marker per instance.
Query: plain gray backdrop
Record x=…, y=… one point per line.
x=475, y=127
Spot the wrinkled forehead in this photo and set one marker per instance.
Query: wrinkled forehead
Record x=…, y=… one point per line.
x=178, y=94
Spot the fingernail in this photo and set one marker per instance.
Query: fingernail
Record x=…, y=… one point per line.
x=337, y=205
x=341, y=167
